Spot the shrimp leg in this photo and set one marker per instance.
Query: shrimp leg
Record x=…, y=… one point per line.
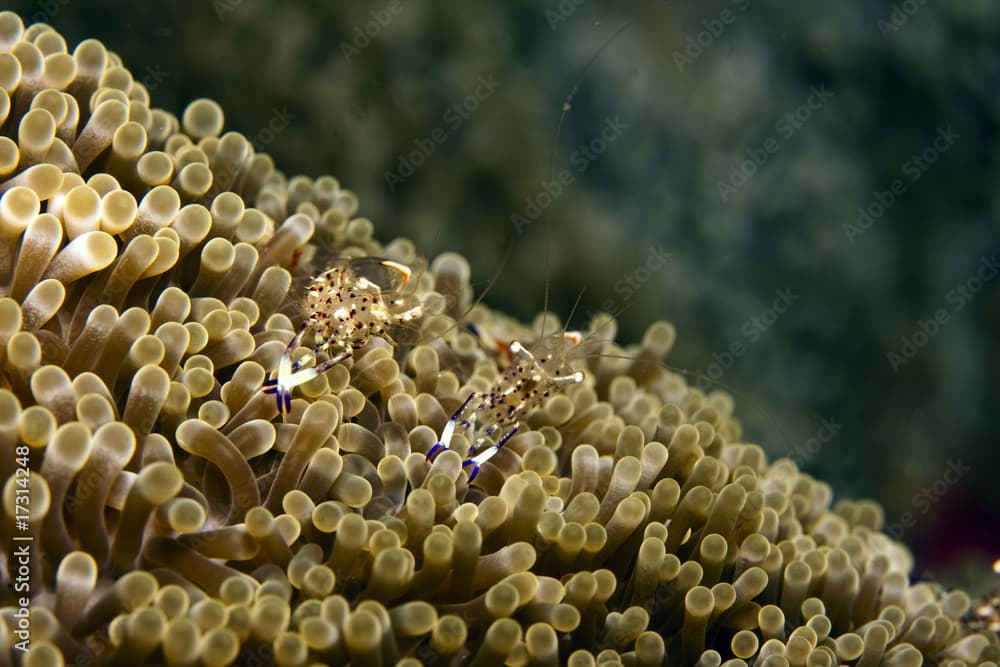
x=449, y=428
x=292, y=374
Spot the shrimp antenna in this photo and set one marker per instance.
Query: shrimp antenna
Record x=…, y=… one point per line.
x=489, y=286
x=493, y=279
x=566, y=107
x=568, y=100
x=496, y=276
x=572, y=311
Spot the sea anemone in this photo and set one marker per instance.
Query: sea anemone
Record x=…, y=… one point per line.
x=159, y=510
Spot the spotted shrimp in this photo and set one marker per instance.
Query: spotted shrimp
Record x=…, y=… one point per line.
x=346, y=305
x=491, y=418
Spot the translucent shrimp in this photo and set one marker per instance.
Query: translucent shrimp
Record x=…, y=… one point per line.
x=491, y=418
x=345, y=306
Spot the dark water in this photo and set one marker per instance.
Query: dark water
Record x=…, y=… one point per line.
x=807, y=190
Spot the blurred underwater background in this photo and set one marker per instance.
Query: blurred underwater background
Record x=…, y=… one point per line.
x=808, y=191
